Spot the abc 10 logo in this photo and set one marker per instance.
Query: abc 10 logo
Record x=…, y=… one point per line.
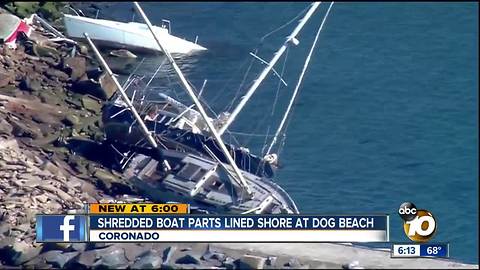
x=418, y=225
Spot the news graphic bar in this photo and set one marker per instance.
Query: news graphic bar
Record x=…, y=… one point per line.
x=420, y=250
x=237, y=228
x=138, y=208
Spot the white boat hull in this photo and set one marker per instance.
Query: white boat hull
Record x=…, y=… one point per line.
x=132, y=35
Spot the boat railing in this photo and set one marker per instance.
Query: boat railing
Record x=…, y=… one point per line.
x=166, y=24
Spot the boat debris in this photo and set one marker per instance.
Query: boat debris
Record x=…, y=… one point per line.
x=10, y=28
x=132, y=35
x=123, y=53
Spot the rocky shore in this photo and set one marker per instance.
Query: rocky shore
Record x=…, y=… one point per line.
x=51, y=93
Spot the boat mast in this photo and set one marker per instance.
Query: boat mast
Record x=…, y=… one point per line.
x=130, y=106
x=197, y=103
x=297, y=87
x=290, y=39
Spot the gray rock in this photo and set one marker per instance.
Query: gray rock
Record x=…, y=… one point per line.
x=49, y=166
x=71, y=120
x=56, y=246
x=210, y=254
x=75, y=66
x=106, y=178
x=84, y=260
x=132, y=251
x=12, y=250
x=295, y=264
x=57, y=258
x=91, y=103
x=113, y=257
x=150, y=260
x=55, y=73
x=5, y=127
x=31, y=84
x=27, y=255
x=22, y=227
x=189, y=259
x=6, y=78
x=107, y=85
x=43, y=51
x=271, y=260
x=99, y=245
x=9, y=62
x=352, y=265
x=251, y=262
x=40, y=118
x=229, y=263
x=5, y=229
x=79, y=246
x=167, y=267
x=22, y=130
x=168, y=253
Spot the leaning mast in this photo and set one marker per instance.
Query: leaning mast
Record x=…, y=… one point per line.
x=197, y=103
x=299, y=82
x=125, y=98
x=290, y=39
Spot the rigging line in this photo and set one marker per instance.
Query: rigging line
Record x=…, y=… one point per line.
x=266, y=116
x=257, y=127
x=230, y=105
x=284, y=25
x=202, y=99
x=249, y=134
x=300, y=79
x=259, y=45
x=242, y=83
x=155, y=74
x=274, y=104
x=227, y=83
x=265, y=140
x=280, y=82
x=291, y=39
x=133, y=72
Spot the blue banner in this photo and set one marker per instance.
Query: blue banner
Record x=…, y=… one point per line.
x=238, y=222
x=434, y=250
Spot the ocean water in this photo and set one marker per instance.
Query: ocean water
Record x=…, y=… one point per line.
x=387, y=113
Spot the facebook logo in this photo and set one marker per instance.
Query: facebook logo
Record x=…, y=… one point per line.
x=61, y=228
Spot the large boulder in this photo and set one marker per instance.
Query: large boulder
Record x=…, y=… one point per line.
x=103, y=88
x=46, y=52
x=75, y=66
x=6, y=78
x=107, y=84
x=30, y=84
x=251, y=262
x=56, y=74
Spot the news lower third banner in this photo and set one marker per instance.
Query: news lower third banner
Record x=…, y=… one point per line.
x=160, y=224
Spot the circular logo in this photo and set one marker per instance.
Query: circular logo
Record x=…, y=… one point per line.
x=422, y=227
x=407, y=211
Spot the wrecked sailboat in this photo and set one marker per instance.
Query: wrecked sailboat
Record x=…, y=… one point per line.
x=177, y=161
x=174, y=122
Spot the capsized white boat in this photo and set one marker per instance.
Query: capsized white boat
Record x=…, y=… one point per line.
x=132, y=35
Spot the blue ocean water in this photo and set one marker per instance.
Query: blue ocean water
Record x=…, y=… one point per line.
x=388, y=111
